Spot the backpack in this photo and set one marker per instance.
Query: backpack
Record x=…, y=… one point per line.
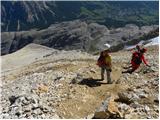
x=136, y=58
x=101, y=61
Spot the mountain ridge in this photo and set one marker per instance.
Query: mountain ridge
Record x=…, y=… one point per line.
x=89, y=37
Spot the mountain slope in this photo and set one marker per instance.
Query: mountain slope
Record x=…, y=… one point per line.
x=25, y=15
x=50, y=86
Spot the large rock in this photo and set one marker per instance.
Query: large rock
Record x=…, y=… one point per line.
x=108, y=110
x=125, y=97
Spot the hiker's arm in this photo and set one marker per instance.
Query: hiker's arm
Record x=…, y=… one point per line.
x=110, y=59
x=144, y=60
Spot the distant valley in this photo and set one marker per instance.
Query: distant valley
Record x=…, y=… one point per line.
x=26, y=15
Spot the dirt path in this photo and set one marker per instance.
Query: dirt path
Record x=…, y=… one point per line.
x=82, y=99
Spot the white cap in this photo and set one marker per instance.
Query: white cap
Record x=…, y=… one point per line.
x=107, y=46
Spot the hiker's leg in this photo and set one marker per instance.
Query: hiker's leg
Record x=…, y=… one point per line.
x=131, y=71
x=128, y=71
x=102, y=73
x=108, y=76
x=134, y=67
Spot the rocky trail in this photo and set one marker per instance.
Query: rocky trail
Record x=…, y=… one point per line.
x=67, y=85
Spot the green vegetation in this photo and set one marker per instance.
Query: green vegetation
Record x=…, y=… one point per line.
x=117, y=14
x=113, y=14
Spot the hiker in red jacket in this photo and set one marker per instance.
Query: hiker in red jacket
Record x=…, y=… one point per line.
x=137, y=58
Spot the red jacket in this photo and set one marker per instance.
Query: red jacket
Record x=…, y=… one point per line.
x=137, y=58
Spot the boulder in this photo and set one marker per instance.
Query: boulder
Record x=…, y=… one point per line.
x=125, y=97
x=108, y=109
x=42, y=88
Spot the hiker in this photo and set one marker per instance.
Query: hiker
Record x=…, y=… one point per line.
x=104, y=62
x=137, y=58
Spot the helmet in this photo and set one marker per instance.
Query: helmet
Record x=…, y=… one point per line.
x=107, y=46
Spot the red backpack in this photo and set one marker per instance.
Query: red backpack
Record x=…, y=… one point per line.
x=136, y=58
x=101, y=60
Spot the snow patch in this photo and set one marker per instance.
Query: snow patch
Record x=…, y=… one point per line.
x=154, y=41
x=151, y=42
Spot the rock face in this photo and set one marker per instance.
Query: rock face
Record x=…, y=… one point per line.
x=71, y=35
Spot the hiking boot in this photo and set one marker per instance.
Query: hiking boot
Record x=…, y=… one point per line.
x=109, y=82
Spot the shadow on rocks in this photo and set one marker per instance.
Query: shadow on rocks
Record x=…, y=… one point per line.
x=91, y=82
x=12, y=99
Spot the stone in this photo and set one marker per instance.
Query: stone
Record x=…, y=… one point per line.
x=28, y=98
x=92, y=70
x=35, y=106
x=27, y=108
x=129, y=89
x=156, y=79
x=42, y=88
x=77, y=79
x=43, y=116
x=123, y=107
x=90, y=116
x=18, y=113
x=125, y=97
x=55, y=116
x=146, y=108
x=45, y=109
x=135, y=105
x=34, y=101
x=149, y=117
x=136, y=75
x=12, y=99
x=156, y=109
x=118, y=81
x=5, y=116
x=37, y=111
x=156, y=100
x=28, y=115
x=135, y=97
x=25, y=102
x=108, y=109
x=143, y=95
